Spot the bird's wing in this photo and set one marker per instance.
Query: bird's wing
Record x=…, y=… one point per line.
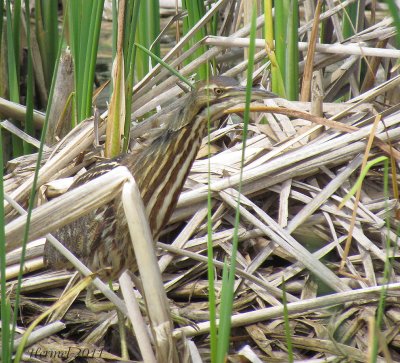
x=99, y=169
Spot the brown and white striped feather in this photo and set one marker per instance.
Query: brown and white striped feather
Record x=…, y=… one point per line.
x=101, y=238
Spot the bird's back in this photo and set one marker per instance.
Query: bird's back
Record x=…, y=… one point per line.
x=101, y=238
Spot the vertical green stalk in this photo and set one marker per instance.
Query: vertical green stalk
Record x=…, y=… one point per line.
x=114, y=29
x=154, y=25
x=146, y=33
x=280, y=22
x=394, y=12
x=29, y=128
x=387, y=268
x=292, y=54
x=1, y=22
x=228, y=279
x=269, y=39
x=196, y=11
x=210, y=253
x=16, y=26
x=349, y=20
x=73, y=26
x=213, y=31
x=129, y=5
x=91, y=56
x=350, y=26
x=130, y=60
x=6, y=336
x=131, y=27
x=50, y=25
x=214, y=22
x=46, y=20
x=33, y=193
x=114, y=37
x=13, y=70
x=276, y=76
x=84, y=22
x=142, y=38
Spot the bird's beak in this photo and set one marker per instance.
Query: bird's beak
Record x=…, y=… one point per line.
x=257, y=94
x=261, y=94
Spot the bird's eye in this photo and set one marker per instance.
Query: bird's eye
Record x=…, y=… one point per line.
x=218, y=91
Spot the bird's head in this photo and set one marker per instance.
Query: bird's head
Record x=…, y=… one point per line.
x=222, y=92
x=209, y=99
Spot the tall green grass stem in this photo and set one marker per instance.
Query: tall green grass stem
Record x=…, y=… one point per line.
x=196, y=10
x=386, y=271
x=130, y=61
x=210, y=253
x=228, y=277
x=33, y=193
x=292, y=54
x=13, y=66
x=6, y=348
x=29, y=127
x=395, y=13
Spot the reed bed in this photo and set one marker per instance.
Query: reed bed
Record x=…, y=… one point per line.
x=317, y=262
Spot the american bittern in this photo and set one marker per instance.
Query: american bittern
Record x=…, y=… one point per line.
x=101, y=238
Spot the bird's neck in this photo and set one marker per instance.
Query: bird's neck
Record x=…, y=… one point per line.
x=185, y=115
x=161, y=170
